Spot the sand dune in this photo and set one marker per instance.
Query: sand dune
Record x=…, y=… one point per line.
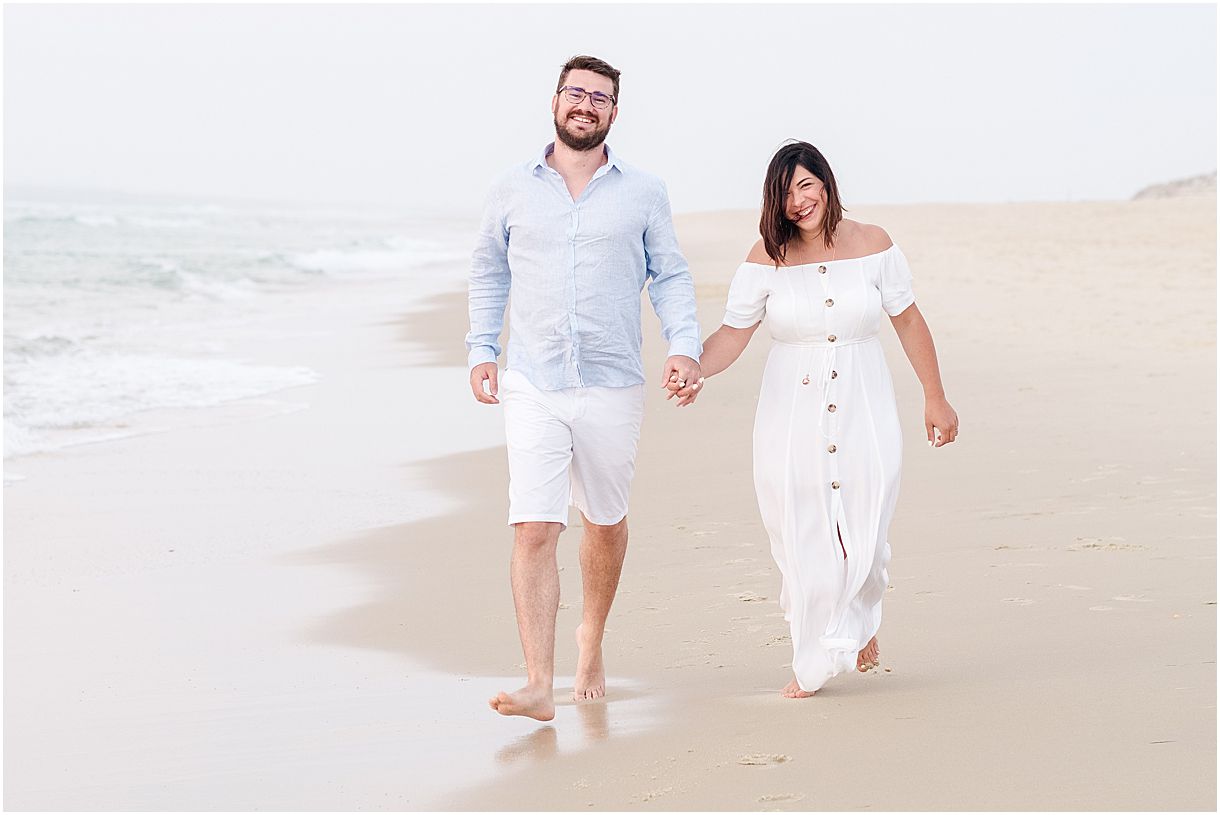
x=1197, y=185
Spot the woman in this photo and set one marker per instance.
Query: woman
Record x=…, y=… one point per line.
x=827, y=442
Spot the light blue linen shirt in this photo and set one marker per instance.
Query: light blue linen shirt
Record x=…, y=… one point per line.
x=576, y=269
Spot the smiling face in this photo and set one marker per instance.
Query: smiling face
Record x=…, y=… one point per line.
x=805, y=206
x=580, y=125
x=800, y=199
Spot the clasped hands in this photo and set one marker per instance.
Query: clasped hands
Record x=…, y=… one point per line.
x=683, y=378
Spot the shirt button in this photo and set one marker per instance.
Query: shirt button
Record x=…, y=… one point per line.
x=832, y=338
x=834, y=485
x=834, y=374
x=831, y=408
x=831, y=449
x=821, y=270
x=829, y=302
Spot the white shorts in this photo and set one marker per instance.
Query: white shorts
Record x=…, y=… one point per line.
x=573, y=446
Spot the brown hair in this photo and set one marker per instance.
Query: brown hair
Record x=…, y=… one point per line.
x=587, y=63
x=774, y=226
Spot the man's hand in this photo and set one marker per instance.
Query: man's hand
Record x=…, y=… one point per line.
x=485, y=372
x=683, y=378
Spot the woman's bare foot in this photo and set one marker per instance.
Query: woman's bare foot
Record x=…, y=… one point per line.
x=590, y=671
x=793, y=691
x=869, y=656
x=534, y=701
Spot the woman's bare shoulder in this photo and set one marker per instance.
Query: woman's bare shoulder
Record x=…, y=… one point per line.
x=758, y=254
x=866, y=239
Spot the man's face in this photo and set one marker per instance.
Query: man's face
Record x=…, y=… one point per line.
x=580, y=125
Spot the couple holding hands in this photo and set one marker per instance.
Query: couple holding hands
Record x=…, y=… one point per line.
x=577, y=234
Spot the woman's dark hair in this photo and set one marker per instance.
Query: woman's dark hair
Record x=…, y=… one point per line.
x=774, y=226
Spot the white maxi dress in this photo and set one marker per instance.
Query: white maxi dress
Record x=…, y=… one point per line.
x=827, y=445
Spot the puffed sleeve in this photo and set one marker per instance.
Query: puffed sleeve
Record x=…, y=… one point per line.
x=747, y=302
x=897, y=295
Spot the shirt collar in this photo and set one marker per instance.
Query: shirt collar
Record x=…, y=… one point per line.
x=612, y=160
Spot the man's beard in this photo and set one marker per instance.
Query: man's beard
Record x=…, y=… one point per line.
x=586, y=142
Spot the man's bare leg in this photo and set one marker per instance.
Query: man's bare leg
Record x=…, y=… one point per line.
x=602, y=549
x=535, y=579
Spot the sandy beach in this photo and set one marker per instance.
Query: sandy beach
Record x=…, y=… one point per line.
x=304, y=603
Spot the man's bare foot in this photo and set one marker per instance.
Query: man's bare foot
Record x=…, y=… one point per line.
x=590, y=671
x=869, y=656
x=793, y=691
x=534, y=701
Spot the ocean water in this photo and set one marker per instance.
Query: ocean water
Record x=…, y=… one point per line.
x=112, y=309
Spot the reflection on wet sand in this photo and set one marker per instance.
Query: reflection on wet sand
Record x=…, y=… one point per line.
x=540, y=744
x=625, y=713
x=543, y=743
x=595, y=719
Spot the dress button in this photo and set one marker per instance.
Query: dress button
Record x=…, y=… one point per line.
x=831, y=449
x=834, y=374
x=832, y=338
x=821, y=270
x=831, y=408
x=834, y=485
x=829, y=302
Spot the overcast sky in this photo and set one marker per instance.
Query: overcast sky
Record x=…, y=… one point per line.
x=419, y=106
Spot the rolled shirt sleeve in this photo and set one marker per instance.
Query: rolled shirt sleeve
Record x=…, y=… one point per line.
x=489, y=284
x=671, y=287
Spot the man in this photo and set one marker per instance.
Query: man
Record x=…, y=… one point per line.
x=577, y=234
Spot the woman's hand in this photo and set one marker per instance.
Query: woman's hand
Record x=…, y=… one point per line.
x=938, y=414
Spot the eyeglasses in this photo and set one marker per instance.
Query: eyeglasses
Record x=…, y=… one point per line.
x=574, y=96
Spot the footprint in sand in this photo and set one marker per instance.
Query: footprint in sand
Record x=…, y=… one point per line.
x=1114, y=544
x=1101, y=608
x=1132, y=598
x=651, y=794
x=778, y=639
x=781, y=798
x=750, y=597
x=763, y=759
x=1020, y=601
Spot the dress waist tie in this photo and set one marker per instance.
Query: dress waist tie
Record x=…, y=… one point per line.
x=827, y=372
